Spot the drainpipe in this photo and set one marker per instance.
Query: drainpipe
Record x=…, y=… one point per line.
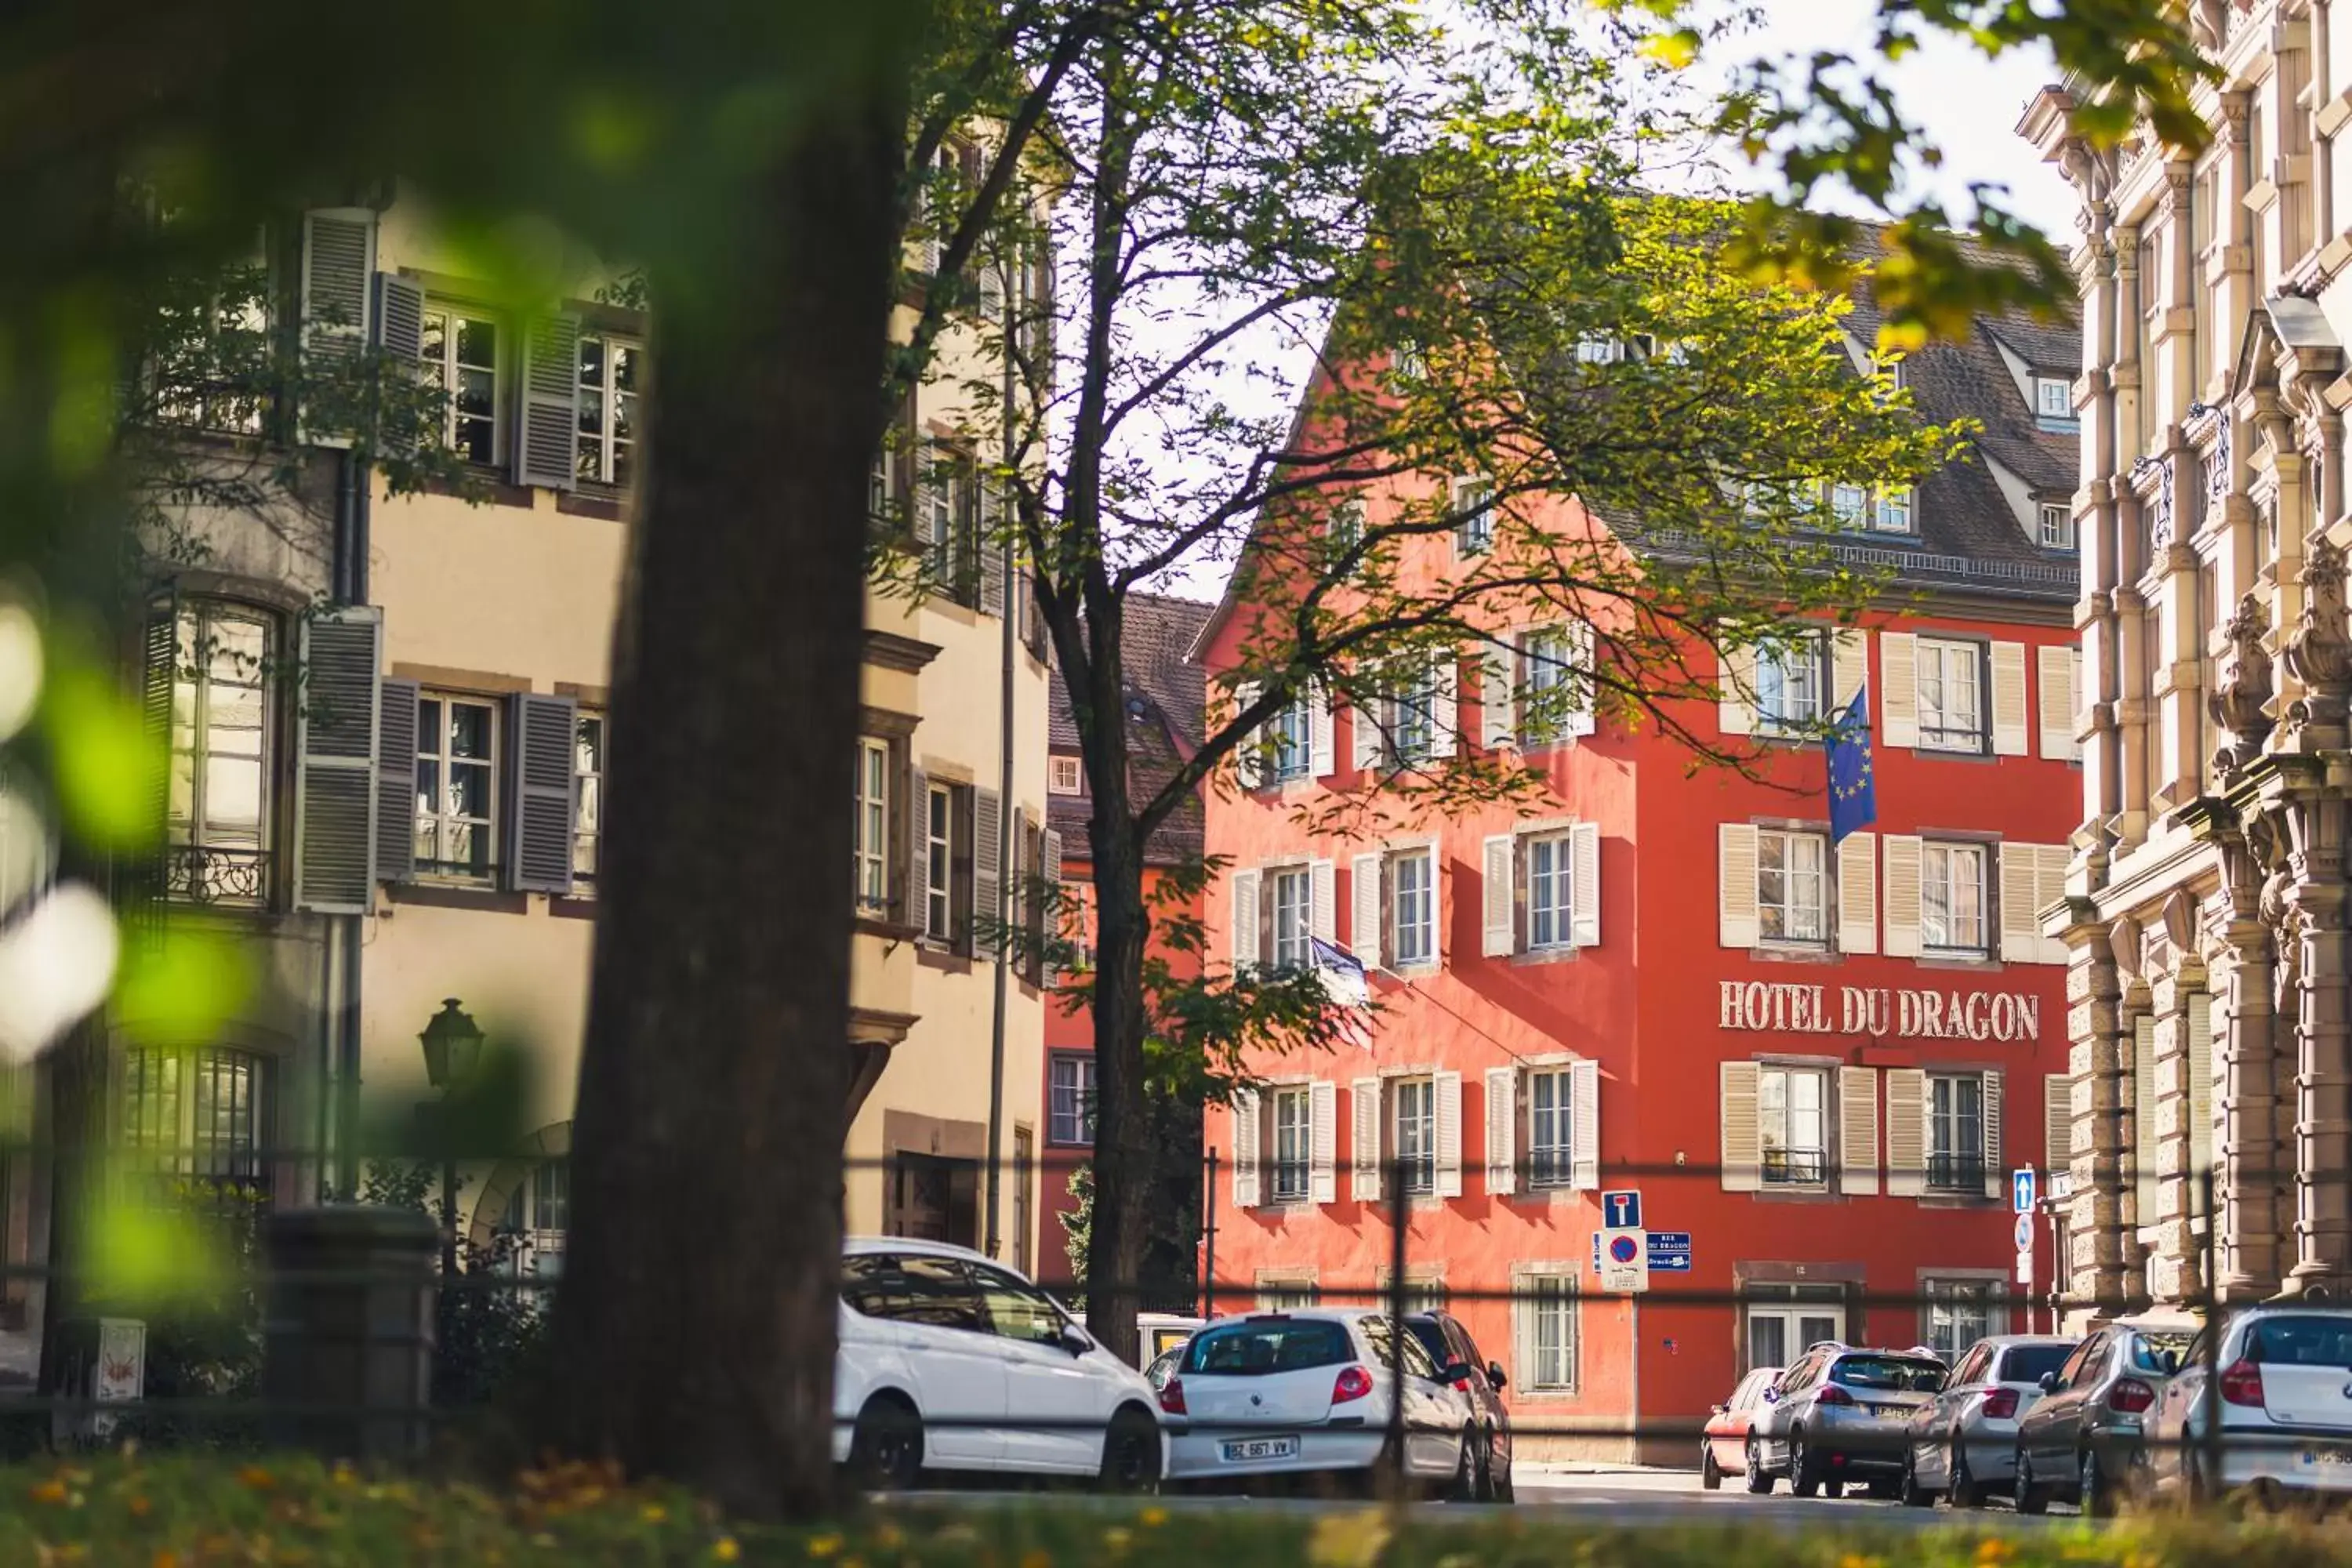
x=340, y=1032
x=1004, y=820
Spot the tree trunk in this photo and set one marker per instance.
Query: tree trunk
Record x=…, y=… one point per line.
x=696, y=1325
x=1124, y=1160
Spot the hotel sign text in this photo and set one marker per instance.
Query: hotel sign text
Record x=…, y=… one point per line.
x=1880, y=1010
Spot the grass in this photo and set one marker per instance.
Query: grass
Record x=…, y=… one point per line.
x=131, y=1511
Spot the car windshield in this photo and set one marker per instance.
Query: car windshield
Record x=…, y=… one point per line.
x=2149, y=1347
x=2028, y=1363
x=2301, y=1342
x=1259, y=1346
x=1896, y=1374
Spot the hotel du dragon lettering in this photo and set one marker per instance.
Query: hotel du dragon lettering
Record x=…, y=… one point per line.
x=1879, y=1011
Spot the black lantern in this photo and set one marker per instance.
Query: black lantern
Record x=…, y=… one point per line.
x=453, y=1046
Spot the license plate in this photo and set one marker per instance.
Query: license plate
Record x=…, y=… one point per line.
x=1891, y=1412
x=1242, y=1449
x=2328, y=1458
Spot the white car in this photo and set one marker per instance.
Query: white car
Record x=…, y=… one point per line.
x=950, y=1361
x=2278, y=1412
x=1279, y=1394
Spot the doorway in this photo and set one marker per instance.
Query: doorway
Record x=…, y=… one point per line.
x=1782, y=1321
x=934, y=1198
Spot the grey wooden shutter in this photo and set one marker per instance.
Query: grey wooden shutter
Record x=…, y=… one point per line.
x=338, y=264
x=335, y=761
x=546, y=404
x=987, y=870
x=399, y=333
x=539, y=819
x=991, y=538
x=160, y=649
x=395, y=781
x=1049, y=971
x=918, y=851
x=1996, y=1178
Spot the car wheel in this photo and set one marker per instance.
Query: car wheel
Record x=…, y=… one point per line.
x=2031, y=1498
x=1484, y=1490
x=1465, y=1486
x=1504, y=1491
x=1130, y=1461
x=1760, y=1479
x=1710, y=1473
x=1912, y=1494
x=1963, y=1490
x=1831, y=1488
x=1804, y=1474
x=885, y=1448
x=2093, y=1490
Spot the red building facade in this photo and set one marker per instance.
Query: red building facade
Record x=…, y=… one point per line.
x=1820, y=1062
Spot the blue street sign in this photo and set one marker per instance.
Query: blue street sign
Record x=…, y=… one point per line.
x=1621, y=1210
x=1669, y=1252
x=2021, y=1190
x=1624, y=1248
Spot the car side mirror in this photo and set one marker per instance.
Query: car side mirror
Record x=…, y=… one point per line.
x=2048, y=1383
x=1074, y=1340
x=1494, y=1375
x=1717, y=1409
x=1772, y=1396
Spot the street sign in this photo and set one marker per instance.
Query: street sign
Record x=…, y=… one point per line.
x=1669, y=1252
x=1624, y=1261
x=2025, y=1267
x=2021, y=1190
x=1621, y=1210
x=2024, y=1233
x=2061, y=1185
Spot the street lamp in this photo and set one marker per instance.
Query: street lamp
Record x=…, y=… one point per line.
x=453, y=1047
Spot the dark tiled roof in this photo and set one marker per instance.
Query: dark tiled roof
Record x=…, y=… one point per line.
x=1167, y=695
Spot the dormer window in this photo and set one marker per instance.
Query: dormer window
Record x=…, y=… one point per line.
x=2053, y=402
x=2057, y=526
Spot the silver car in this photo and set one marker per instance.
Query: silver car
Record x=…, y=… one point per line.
x=1837, y=1415
x=2268, y=1407
x=2081, y=1442
x=1965, y=1440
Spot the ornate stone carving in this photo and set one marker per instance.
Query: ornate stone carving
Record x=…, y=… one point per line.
x=2241, y=687
x=2090, y=170
x=2217, y=467
x=2209, y=23
x=2319, y=652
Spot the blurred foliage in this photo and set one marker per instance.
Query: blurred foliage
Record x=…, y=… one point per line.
x=490, y=1331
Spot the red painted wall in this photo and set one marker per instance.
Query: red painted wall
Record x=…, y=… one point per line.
x=1645, y=1004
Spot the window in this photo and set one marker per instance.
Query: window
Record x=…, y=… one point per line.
x=1550, y=1129
x=1550, y=878
x=1793, y=1107
x=1952, y=898
x=1955, y=1132
x=1791, y=890
x=456, y=797
x=1547, y=1305
x=1063, y=776
x=1412, y=718
x=1959, y=1313
x=1789, y=683
x=1783, y=1320
x=202, y=1113
x=1414, y=901
x=945, y=522
x=587, y=796
x=537, y=1217
x=2057, y=527
x=1850, y=504
x=219, y=814
x=608, y=410
x=939, y=863
x=1413, y=1132
x=1895, y=510
x=1547, y=661
x=1291, y=897
x=1278, y=1294
x=1294, y=1147
x=1258, y=1348
x=1288, y=750
x=1070, y=1118
x=916, y=1289
x=1473, y=516
x=1952, y=707
x=1347, y=529
x=2053, y=399
x=1405, y=360
x=461, y=357
x=871, y=852
x=1017, y=1310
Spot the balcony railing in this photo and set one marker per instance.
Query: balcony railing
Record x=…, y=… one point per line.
x=227, y=879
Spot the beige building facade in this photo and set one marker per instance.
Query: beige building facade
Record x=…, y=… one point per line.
x=389, y=734
x=2205, y=913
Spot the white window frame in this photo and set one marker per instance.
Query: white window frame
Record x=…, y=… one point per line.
x=1792, y=686
x=1412, y=718
x=1791, y=846
x=1412, y=912
x=1549, y=1363
x=1550, y=861
x=1290, y=1144
x=1551, y=1129
x=1070, y=1105
x=870, y=846
x=198, y=685
x=939, y=862
x=1472, y=496
x=1952, y=1166
x=1412, y=1111
x=1287, y=1293
x=600, y=453
x=2057, y=526
x=1952, y=898
x=589, y=766
x=1850, y=504
x=2046, y=407
x=441, y=371
x=1290, y=922
x=1065, y=775
x=1547, y=662
x=1941, y=659
x=1798, y=1164
x=1897, y=511
x=1291, y=730
x=435, y=818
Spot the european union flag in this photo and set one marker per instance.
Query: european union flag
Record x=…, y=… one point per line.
x=1853, y=798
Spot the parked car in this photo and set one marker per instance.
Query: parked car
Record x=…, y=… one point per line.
x=2279, y=1412
x=1158, y=1332
x=1279, y=1394
x=1965, y=1440
x=1723, y=1444
x=1449, y=1343
x=1838, y=1415
x=950, y=1361
x=2081, y=1442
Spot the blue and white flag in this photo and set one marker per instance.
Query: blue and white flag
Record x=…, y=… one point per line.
x=1345, y=983
x=1853, y=794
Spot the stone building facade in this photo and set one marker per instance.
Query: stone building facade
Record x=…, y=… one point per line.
x=2205, y=912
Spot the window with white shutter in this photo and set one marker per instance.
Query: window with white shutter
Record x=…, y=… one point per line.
x=1497, y=905
x=459, y=755
x=1323, y=881
x=1291, y=1142
x=2057, y=1122
x=2021, y=877
x=1366, y=898
x=1551, y=888
x=1900, y=854
x=1368, y=725
x=2049, y=888
x=1857, y=1094
x=1584, y=901
x=1734, y=710
x=1898, y=696
x=1906, y=1132
x=1584, y=1082
x=1413, y=1132
x=1320, y=764
x=1412, y=904
x=2011, y=733
x=1244, y=930
x=1739, y=1090
x=1951, y=680
x=1850, y=668
x=1323, y=1129
x=1792, y=886
x=1791, y=685
x=1955, y=1132
x=1501, y=1131
x=1248, y=1143
x=1364, y=1149
x=1857, y=911
x=1448, y=1087
x=1736, y=922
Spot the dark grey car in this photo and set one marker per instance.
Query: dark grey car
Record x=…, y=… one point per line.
x=2082, y=1441
x=1449, y=1343
x=1839, y=1414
